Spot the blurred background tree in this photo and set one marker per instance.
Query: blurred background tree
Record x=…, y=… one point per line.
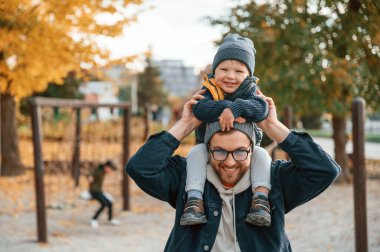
x=150, y=86
x=314, y=55
x=40, y=43
x=68, y=90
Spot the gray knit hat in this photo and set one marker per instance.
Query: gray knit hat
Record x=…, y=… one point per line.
x=236, y=47
x=246, y=128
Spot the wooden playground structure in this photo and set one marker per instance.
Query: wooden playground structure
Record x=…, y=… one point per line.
x=74, y=163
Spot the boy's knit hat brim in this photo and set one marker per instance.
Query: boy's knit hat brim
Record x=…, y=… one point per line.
x=246, y=128
x=236, y=47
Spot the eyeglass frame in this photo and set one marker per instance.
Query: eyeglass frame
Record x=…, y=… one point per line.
x=230, y=152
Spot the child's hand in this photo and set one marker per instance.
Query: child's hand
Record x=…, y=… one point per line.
x=226, y=119
x=240, y=120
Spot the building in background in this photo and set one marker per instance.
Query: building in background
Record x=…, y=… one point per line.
x=101, y=92
x=115, y=72
x=179, y=80
x=125, y=80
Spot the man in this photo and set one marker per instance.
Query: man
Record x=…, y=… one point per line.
x=227, y=192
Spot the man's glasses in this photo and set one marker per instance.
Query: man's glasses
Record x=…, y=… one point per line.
x=238, y=155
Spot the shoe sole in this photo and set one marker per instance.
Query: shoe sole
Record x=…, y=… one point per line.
x=193, y=221
x=259, y=220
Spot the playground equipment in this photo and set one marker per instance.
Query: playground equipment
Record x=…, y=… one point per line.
x=74, y=151
x=359, y=170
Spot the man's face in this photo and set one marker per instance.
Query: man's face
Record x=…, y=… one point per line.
x=230, y=171
x=229, y=75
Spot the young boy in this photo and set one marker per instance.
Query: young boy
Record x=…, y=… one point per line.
x=230, y=96
x=96, y=184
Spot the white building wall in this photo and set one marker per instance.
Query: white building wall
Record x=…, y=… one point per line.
x=178, y=79
x=101, y=92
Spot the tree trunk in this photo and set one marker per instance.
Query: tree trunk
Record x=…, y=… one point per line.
x=340, y=140
x=10, y=154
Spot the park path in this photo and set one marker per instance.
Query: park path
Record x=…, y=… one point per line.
x=324, y=224
x=372, y=150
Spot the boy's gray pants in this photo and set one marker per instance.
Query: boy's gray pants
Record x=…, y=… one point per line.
x=198, y=158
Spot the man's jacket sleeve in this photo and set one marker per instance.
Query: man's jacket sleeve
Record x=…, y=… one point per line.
x=154, y=169
x=309, y=173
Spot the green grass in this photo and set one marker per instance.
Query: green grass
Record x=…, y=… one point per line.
x=375, y=138
x=319, y=133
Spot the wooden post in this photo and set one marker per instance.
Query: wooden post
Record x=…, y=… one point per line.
x=39, y=172
x=76, y=153
x=288, y=121
x=288, y=117
x=359, y=172
x=146, y=121
x=126, y=133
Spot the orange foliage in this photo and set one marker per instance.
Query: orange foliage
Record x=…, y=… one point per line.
x=41, y=41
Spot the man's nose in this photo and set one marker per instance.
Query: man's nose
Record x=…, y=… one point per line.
x=230, y=161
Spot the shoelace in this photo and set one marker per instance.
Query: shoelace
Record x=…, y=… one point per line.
x=191, y=204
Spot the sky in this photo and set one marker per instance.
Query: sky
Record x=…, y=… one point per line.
x=174, y=29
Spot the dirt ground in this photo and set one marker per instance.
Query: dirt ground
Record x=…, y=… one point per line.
x=324, y=224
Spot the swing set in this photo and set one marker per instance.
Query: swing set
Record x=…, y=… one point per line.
x=78, y=135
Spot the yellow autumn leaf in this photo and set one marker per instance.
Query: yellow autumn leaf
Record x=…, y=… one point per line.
x=41, y=41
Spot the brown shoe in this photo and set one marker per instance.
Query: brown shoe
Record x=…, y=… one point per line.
x=193, y=213
x=259, y=214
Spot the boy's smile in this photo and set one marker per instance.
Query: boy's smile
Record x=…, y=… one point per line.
x=229, y=75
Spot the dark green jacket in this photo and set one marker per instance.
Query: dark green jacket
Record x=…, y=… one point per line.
x=295, y=182
x=98, y=176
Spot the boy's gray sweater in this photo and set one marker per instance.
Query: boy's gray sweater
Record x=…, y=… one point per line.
x=243, y=103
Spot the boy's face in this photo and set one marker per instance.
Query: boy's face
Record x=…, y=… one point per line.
x=229, y=75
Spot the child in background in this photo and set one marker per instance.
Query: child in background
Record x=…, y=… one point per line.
x=230, y=97
x=96, y=183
